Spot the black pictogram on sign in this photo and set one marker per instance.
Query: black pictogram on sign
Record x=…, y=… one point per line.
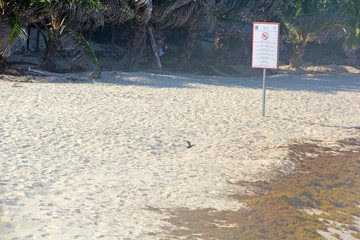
x=265, y=36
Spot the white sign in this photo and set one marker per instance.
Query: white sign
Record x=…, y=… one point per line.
x=265, y=52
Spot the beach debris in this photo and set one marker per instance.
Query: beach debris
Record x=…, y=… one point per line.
x=16, y=85
x=72, y=79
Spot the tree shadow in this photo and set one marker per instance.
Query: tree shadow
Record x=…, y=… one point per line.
x=324, y=82
x=328, y=83
x=173, y=80
x=318, y=82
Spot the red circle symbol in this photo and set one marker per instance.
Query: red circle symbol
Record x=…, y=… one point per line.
x=265, y=36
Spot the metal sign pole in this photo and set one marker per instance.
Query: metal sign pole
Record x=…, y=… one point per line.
x=264, y=91
x=265, y=50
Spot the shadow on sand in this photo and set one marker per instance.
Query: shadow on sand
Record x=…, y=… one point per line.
x=328, y=83
x=320, y=82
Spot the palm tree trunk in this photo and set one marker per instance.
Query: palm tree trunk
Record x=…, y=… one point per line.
x=136, y=47
x=113, y=37
x=352, y=57
x=37, y=40
x=159, y=37
x=188, y=49
x=28, y=38
x=49, y=58
x=220, y=50
x=4, y=65
x=298, y=54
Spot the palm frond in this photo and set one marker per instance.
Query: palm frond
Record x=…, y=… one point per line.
x=170, y=8
x=315, y=23
x=120, y=11
x=233, y=20
x=351, y=43
x=224, y=7
x=11, y=32
x=263, y=10
x=326, y=33
x=144, y=10
x=117, y=12
x=85, y=14
x=81, y=53
x=196, y=14
x=86, y=5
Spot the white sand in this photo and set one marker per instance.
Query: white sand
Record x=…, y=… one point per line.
x=85, y=160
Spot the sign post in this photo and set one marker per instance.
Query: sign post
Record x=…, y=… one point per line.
x=265, y=50
x=264, y=92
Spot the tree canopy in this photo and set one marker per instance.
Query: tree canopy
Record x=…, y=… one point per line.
x=225, y=23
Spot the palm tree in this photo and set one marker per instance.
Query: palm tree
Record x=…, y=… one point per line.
x=11, y=30
x=234, y=19
x=229, y=18
x=351, y=28
x=191, y=16
x=143, y=12
x=116, y=13
x=307, y=21
x=133, y=16
x=65, y=19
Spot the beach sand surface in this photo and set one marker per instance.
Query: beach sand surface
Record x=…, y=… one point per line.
x=92, y=160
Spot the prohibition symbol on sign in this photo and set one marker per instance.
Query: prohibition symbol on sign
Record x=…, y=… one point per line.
x=265, y=36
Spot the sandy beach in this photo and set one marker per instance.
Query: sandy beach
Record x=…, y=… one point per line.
x=89, y=160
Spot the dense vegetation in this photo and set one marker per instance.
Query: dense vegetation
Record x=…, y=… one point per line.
x=224, y=26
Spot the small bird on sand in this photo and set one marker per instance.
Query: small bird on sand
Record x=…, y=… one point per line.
x=189, y=144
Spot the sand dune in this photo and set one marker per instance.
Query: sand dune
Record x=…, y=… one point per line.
x=86, y=160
